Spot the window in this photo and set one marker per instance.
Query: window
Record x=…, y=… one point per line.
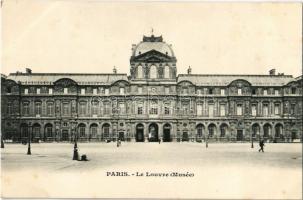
x=166, y=90
x=82, y=130
x=153, y=72
x=8, y=90
x=38, y=90
x=106, y=91
x=25, y=91
x=49, y=108
x=166, y=109
x=210, y=110
x=9, y=108
x=122, y=90
x=222, y=92
x=253, y=91
x=95, y=107
x=292, y=109
x=122, y=108
x=38, y=108
x=95, y=91
x=48, y=130
x=139, y=90
x=277, y=92
x=50, y=91
x=199, y=109
x=82, y=91
x=65, y=90
x=185, y=90
x=254, y=110
x=277, y=109
x=94, y=130
x=210, y=91
x=140, y=109
x=65, y=108
x=222, y=110
x=139, y=72
x=185, y=108
x=265, y=109
x=82, y=109
x=198, y=92
x=239, y=109
x=293, y=90
x=239, y=91
x=265, y=92
x=106, y=108
x=25, y=110
x=166, y=72
x=154, y=108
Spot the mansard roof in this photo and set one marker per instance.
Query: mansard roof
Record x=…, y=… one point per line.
x=80, y=79
x=225, y=80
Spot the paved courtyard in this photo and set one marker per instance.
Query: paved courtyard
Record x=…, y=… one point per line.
x=221, y=171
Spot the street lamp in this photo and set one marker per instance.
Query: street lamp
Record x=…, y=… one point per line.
x=29, y=139
x=76, y=154
x=206, y=140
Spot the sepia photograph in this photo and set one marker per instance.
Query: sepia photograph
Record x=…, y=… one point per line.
x=151, y=99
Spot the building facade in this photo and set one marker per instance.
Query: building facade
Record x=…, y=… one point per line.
x=152, y=103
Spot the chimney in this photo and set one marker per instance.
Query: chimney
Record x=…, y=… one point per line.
x=115, y=70
x=28, y=70
x=272, y=72
x=189, y=70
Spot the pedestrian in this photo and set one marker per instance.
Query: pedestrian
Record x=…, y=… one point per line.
x=261, y=144
x=159, y=140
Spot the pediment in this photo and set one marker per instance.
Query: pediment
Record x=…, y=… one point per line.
x=153, y=56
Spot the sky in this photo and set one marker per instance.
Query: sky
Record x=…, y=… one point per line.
x=90, y=36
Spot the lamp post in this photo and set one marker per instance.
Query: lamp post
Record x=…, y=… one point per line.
x=29, y=139
x=206, y=140
x=252, y=140
x=76, y=154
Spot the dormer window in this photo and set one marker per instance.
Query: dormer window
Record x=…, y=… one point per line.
x=293, y=90
x=210, y=91
x=65, y=91
x=9, y=90
x=122, y=90
x=38, y=90
x=253, y=91
x=239, y=91
x=82, y=91
x=265, y=92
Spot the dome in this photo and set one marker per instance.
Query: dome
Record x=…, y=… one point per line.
x=153, y=43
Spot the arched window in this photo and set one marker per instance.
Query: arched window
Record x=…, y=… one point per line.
x=166, y=72
x=139, y=72
x=93, y=130
x=153, y=72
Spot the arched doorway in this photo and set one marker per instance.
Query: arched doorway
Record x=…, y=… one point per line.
x=211, y=130
x=36, y=130
x=200, y=132
x=48, y=131
x=93, y=131
x=267, y=131
x=23, y=131
x=223, y=130
x=140, y=133
x=255, y=130
x=166, y=133
x=153, y=133
x=106, y=131
x=279, y=131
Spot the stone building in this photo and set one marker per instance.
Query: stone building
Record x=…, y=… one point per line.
x=152, y=103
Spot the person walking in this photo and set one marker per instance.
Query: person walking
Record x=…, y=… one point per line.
x=261, y=144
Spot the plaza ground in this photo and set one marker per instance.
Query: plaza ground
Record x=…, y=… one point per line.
x=223, y=170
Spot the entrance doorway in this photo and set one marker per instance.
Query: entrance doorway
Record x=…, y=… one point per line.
x=64, y=135
x=153, y=133
x=239, y=135
x=166, y=133
x=140, y=133
x=185, y=136
x=121, y=136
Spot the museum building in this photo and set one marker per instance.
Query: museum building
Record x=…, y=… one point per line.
x=152, y=103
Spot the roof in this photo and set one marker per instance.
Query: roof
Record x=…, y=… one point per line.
x=81, y=79
x=153, y=43
x=224, y=80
